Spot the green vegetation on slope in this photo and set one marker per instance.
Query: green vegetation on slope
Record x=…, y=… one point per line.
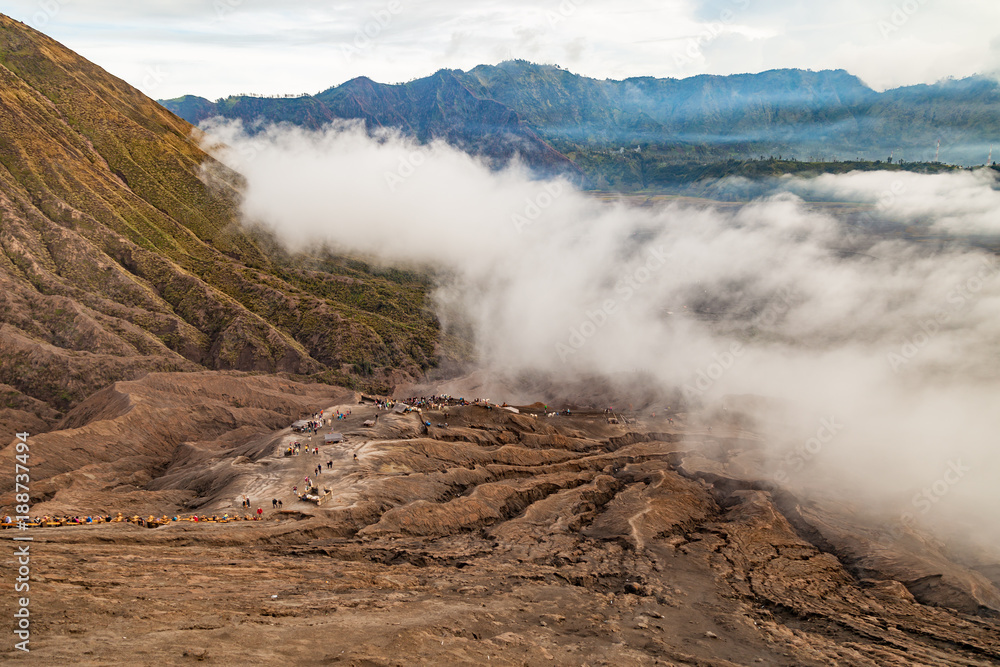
x=118, y=255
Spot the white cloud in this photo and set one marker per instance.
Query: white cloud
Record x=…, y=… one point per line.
x=896, y=341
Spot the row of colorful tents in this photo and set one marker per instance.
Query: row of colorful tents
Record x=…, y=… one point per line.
x=150, y=521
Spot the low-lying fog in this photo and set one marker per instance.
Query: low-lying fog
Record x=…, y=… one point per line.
x=884, y=351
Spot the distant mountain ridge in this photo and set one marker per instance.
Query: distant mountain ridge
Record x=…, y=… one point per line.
x=437, y=107
x=550, y=115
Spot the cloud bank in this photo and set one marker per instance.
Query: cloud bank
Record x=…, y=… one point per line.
x=883, y=350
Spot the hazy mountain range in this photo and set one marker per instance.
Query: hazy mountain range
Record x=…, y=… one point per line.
x=560, y=120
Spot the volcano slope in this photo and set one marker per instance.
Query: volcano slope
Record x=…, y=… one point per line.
x=122, y=253
x=499, y=538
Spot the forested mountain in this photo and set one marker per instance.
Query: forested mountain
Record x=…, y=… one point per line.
x=805, y=115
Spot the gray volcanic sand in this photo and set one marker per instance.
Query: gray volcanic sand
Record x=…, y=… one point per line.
x=507, y=539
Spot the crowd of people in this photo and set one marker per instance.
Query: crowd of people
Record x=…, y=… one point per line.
x=441, y=401
x=295, y=449
x=311, y=426
x=435, y=402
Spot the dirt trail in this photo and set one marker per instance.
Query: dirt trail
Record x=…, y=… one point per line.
x=274, y=476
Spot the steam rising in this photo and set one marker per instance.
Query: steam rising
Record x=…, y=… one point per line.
x=884, y=351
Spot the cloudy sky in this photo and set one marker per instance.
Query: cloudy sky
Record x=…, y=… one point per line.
x=220, y=47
